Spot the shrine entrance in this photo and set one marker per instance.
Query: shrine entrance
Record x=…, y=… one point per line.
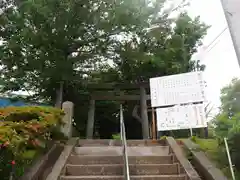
x=141, y=111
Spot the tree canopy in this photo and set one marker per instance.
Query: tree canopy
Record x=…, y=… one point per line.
x=227, y=124
x=54, y=48
x=48, y=42
x=230, y=96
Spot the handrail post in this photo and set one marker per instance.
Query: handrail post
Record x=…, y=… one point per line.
x=229, y=159
x=124, y=145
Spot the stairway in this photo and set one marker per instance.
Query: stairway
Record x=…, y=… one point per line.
x=102, y=159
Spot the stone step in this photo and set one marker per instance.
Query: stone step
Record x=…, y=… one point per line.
x=88, y=160
x=117, y=151
x=157, y=177
x=113, y=142
x=117, y=169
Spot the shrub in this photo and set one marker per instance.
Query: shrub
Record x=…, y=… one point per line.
x=163, y=137
x=116, y=136
x=23, y=129
x=229, y=128
x=194, y=138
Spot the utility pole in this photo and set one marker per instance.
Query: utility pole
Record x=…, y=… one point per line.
x=231, y=10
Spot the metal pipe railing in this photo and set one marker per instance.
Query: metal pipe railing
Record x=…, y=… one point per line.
x=124, y=145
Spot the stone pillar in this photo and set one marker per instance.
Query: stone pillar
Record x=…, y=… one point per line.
x=90, y=123
x=144, y=113
x=66, y=129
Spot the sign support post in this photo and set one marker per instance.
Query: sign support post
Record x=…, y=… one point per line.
x=153, y=125
x=191, y=132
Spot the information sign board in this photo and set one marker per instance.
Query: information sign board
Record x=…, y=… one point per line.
x=181, y=117
x=177, y=89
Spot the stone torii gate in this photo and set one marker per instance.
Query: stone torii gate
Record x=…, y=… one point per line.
x=108, y=92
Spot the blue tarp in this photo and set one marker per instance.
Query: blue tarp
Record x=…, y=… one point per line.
x=4, y=102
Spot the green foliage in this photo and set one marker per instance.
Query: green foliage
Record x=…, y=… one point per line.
x=28, y=125
x=227, y=124
x=230, y=95
x=163, y=50
x=216, y=153
x=189, y=155
x=193, y=138
x=223, y=125
x=51, y=42
x=44, y=42
x=207, y=145
x=211, y=130
x=163, y=137
x=185, y=133
x=213, y=151
x=47, y=43
x=231, y=130
x=116, y=136
x=24, y=132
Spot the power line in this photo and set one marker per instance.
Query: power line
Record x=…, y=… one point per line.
x=212, y=47
x=206, y=50
x=216, y=38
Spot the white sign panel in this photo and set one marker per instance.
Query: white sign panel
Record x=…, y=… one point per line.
x=181, y=117
x=177, y=89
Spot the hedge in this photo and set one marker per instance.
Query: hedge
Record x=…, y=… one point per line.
x=25, y=129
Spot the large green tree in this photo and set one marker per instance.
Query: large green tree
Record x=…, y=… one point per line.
x=55, y=46
x=162, y=50
x=227, y=124
x=53, y=42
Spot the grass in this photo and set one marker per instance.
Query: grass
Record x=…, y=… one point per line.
x=116, y=136
x=29, y=154
x=211, y=148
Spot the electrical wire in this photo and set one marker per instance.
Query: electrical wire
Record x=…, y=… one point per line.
x=213, y=42
x=216, y=38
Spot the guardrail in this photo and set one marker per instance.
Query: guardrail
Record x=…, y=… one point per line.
x=124, y=145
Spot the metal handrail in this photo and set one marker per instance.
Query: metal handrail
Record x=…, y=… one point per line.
x=124, y=145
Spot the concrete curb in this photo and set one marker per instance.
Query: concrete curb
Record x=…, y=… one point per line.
x=41, y=165
x=205, y=167
x=60, y=163
x=180, y=157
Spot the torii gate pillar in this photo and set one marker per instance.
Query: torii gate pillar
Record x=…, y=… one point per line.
x=144, y=113
x=90, y=122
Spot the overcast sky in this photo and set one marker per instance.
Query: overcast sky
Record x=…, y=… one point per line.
x=220, y=57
